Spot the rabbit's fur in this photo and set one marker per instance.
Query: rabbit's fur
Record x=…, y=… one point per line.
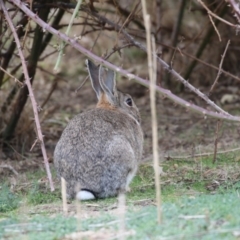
x=100, y=149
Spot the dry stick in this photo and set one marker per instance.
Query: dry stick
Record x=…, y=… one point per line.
x=31, y=95
x=82, y=83
x=64, y=195
x=195, y=155
x=62, y=45
x=10, y=168
x=35, y=142
x=27, y=27
x=128, y=18
x=199, y=155
x=152, y=67
x=78, y=210
x=220, y=68
x=215, y=28
x=158, y=34
x=217, y=17
x=11, y=76
x=73, y=42
x=121, y=214
x=219, y=123
x=52, y=74
x=53, y=87
x=117, y=49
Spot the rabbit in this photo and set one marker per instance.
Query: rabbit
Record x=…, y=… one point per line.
x=100, y=149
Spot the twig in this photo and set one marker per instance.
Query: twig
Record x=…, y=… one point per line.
x=126, y=22
x=222, y=115
x=215, y=28
x=163, y=63
x=117, y=49
x=152, y=67
x=201, y=61
x=64, y=195
x=53, y=87
x=73, y=5
x=220, y=68
x=82, y=83
x=115, y=26
x=9, y=53
x=11, y=76
x=216, y=16
x=35, y=142
x=178, y=22
x=200, y=155
x=158, y=34
x=219, y=123
x=62, y=45
x=206, y=39
x=121, y=215
x=52, y=74
x=236, y=9
x=10, y=168
x=78, y=209
x=31, y=95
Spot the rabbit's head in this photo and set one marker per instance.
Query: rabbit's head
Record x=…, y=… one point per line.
x=104, y=84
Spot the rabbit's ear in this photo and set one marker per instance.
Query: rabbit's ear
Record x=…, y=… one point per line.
x=93, y=71
x=107, y=79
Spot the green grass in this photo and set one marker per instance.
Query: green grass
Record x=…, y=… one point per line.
x=30, y=213
x=37, y=195
x=216, y=217
x=8, y=200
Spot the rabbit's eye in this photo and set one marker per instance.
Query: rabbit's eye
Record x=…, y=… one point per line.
x=129, y=102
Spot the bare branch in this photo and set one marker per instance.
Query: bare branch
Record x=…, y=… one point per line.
x=215, y=28
x=219, y=123
x=236, y=9
x=11, y=76
x=10, y=168
x=166, y=93
x=163, y=63
x=31, y=95
x=220, y=67
x=216, y=16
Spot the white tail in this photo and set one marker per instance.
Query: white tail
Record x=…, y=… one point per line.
x=85, y=195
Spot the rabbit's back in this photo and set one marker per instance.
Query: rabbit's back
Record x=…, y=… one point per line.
x=97, y=148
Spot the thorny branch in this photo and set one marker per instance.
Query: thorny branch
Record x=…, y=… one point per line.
x=104, y=20
x=220, y=67
x=139, y=45
x=217, y=17
x=31, y=95
x=166, y=93
x=236, y=9
x=163, y=63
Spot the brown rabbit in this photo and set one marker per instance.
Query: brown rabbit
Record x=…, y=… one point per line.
x=100, y=149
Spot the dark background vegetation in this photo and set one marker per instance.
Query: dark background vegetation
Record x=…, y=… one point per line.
x=185, y=38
